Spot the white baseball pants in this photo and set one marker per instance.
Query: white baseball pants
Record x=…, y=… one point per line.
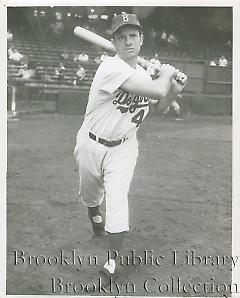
x=106, y=172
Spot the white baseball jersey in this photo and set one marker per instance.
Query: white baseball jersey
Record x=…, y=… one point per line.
x=111, y=112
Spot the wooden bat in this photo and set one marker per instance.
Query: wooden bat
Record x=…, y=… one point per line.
x=94, y=38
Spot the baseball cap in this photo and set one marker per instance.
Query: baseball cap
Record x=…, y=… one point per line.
x=124, y=19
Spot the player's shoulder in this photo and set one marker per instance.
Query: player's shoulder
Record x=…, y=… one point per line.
x=114, y=60
x=113, y=64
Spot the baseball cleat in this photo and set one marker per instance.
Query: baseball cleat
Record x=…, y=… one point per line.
x=106, y=279
x=106, y=276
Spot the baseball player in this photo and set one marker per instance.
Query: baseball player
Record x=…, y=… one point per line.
x=106, y=145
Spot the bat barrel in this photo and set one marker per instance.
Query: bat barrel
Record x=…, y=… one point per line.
x=93, y=38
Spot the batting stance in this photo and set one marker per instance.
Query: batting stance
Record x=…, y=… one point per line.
x=106, y=146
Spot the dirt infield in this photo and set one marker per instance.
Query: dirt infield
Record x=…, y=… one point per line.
x=180, y=211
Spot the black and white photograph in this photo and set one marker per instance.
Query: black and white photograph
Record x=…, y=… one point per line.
x=86, y=84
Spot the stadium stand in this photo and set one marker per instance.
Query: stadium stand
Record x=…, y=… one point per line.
x=46, y=88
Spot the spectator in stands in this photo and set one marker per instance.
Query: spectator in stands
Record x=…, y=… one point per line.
x=60, y=72
x=222, y=61
x=65, y=56
x=97, y=60
x=163, y=39
x=14, y=55
x=57, y=28
x=80, y=76
x=25, y=73
x=39, y=71
x=74, y=58
x=172, y=39
x=103, y=56
x=83, y=58
x=10, y=50
x=164, y=36
x=9, y=36
x=212, y=63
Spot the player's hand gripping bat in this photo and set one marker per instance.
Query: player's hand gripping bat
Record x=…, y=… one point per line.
x=107, y=45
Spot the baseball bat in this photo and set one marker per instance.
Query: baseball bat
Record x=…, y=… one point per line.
x=94, y=38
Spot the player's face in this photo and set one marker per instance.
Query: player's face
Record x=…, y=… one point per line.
x=128, y=42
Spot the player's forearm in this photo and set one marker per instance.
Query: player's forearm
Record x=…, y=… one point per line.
x=155, y=89
x=159, y=88
x=162, y=86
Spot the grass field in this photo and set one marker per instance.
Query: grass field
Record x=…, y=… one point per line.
x=180, y=200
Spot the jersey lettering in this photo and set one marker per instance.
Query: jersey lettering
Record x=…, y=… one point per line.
x=138, y=118
x=128, y=103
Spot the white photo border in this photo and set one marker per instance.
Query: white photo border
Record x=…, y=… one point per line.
x=235, y=124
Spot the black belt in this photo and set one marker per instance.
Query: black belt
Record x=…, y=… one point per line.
x=105, y=142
